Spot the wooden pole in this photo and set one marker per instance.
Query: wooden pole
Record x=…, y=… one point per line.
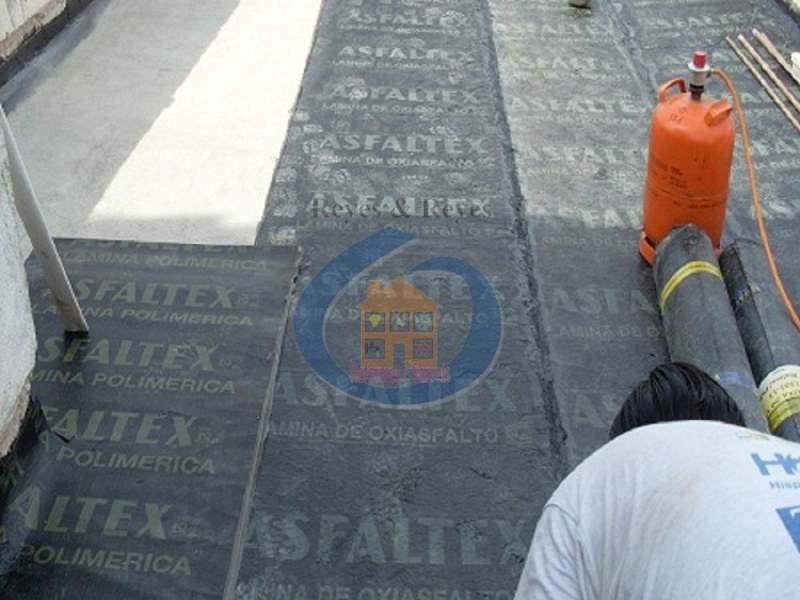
x=762, y=37
x=770, y=73
x=764, y=83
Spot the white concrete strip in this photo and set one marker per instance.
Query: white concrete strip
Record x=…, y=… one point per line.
x=162, y=121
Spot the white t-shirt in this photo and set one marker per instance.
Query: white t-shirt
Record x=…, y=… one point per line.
x=688, y=510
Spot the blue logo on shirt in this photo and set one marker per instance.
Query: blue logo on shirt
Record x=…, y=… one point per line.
x=791, y=520
x=784, y=464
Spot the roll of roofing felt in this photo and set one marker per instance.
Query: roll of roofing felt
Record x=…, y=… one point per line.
x=780, y=398
x=769, y=336
x=698, y=321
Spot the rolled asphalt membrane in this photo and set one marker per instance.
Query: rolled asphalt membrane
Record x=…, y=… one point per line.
x=362, y=280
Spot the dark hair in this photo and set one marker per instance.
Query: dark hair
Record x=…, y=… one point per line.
x=676, y=392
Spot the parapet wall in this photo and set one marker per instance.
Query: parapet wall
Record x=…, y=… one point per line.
x=27, y=25
x=19, y=19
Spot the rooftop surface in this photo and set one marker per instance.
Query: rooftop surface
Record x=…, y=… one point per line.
x=225, y=183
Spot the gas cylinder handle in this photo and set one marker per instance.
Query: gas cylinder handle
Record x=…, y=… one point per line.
x=717, y=112
x=662, y=90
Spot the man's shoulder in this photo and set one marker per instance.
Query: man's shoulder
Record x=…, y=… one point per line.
x=674, y=442
x=688, y=432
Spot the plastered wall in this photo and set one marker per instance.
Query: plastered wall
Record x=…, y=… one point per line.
x=20, y=18
x=18, y=345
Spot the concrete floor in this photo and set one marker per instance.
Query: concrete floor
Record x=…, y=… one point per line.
x=176, y=117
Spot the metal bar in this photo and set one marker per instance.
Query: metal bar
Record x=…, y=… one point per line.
x=43, y=246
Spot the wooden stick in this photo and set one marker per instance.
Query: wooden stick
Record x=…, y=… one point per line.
x=761, y=37
x=764, y=84
x=770, y=72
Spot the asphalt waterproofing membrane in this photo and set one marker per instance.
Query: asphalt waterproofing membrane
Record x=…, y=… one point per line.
x=461, y=181
x=147, y=428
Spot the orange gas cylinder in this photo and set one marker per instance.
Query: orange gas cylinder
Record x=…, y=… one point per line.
x=689, y=161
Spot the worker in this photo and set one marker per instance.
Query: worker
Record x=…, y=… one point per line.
x=683, y=503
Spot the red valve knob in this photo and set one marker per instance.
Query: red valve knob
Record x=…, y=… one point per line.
x=699, y=59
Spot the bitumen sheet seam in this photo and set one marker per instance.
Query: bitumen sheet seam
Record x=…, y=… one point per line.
x=240, y=538
x=539, y=351
x=631, y=51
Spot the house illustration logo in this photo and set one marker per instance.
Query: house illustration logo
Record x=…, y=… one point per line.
x=398, y=326
x=399, y=361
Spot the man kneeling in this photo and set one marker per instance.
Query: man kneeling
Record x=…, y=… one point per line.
x=683, y=503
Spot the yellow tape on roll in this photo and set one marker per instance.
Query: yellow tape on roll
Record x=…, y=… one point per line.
x=779, y=393
x=690, y=268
